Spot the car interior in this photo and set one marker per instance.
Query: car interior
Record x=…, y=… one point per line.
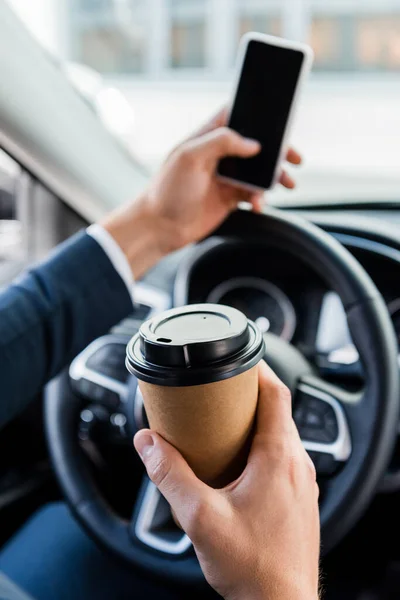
x=322, y=282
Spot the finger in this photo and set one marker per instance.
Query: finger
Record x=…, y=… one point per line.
x=224, y=142
x=287, y=181
x=258, y=202
x=276, y=440
x=238, y=192
x=294, y=157
x=234, y=195
x=218, y=120
x=169, y=471
x=274, y=412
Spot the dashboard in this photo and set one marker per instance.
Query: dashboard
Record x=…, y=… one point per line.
x=286, y=297
x=280, y=292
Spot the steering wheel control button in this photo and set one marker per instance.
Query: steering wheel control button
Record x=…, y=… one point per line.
x=315, y=420
x=315, y=435
x=87, y=416
x=97, y=393
x=299, y=415
x=93, y=422
x=118, y=420
x=109, y=360
x=118, y=423
x=324, y=463
x=84, y=387
x=315, y=458
x=327, y=465
x=193, y=345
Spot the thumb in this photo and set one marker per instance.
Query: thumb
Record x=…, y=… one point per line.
x=170, y=472
x=225, y=142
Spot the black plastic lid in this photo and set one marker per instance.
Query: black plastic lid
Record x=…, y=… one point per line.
x=193, y=345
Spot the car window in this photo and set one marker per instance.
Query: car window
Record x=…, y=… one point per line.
x=173, y=60
x=11, y=246
x=32, y=219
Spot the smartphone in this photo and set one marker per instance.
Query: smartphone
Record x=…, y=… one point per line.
x=270, y=74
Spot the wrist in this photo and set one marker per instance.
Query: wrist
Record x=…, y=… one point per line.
x=281, y=591
x=282, y=595
x=143, y=237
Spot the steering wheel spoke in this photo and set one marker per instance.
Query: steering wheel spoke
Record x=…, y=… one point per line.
x=153, y=525
x=322, y=424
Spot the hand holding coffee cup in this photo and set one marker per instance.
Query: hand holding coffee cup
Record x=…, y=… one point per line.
x=197, y=371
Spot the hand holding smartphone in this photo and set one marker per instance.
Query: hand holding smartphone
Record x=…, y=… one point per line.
x=270, y=75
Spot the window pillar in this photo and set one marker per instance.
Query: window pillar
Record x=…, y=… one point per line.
x=296, y=17
x=221, y=39
x=157, y=51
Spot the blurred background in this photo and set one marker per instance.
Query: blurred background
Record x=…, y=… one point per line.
x=155, y=69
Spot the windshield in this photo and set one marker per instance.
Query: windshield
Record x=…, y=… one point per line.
x=173, y=60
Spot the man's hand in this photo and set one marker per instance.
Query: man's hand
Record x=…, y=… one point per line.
x=185, y=201
x=258, y=538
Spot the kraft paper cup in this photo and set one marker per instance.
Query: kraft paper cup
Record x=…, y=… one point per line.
x=197, y=371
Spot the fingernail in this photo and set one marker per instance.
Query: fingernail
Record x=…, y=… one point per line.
x=144, y=445
x=252, y=144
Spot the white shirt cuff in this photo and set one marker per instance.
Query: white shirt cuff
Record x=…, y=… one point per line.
x=114, y=253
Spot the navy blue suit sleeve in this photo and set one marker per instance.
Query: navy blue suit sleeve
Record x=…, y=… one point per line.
x=51, y=313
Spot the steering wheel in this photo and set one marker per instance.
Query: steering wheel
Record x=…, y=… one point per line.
x=350, y=436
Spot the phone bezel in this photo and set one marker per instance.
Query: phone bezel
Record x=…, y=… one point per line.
x=271, y=40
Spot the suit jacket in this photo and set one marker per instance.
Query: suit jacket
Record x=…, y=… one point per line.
x=51, y=313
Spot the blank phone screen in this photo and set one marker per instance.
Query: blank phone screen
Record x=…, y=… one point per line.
x=261, y=109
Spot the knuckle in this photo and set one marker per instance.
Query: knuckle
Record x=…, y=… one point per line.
x=284, y=392
x=159, y=471
x=281, y=453
x=311, y=469
x=186, y=155
x=295, y=461
x=301, y=468
x=225, y=136
x=272, y=446
x=280, y=457
x=295, y=468
x=224, y=132
x=198, y=520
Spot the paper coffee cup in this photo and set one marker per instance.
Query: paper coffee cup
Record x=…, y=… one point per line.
x=197, y=370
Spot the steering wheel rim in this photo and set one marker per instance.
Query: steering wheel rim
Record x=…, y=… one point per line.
x=373, y=427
